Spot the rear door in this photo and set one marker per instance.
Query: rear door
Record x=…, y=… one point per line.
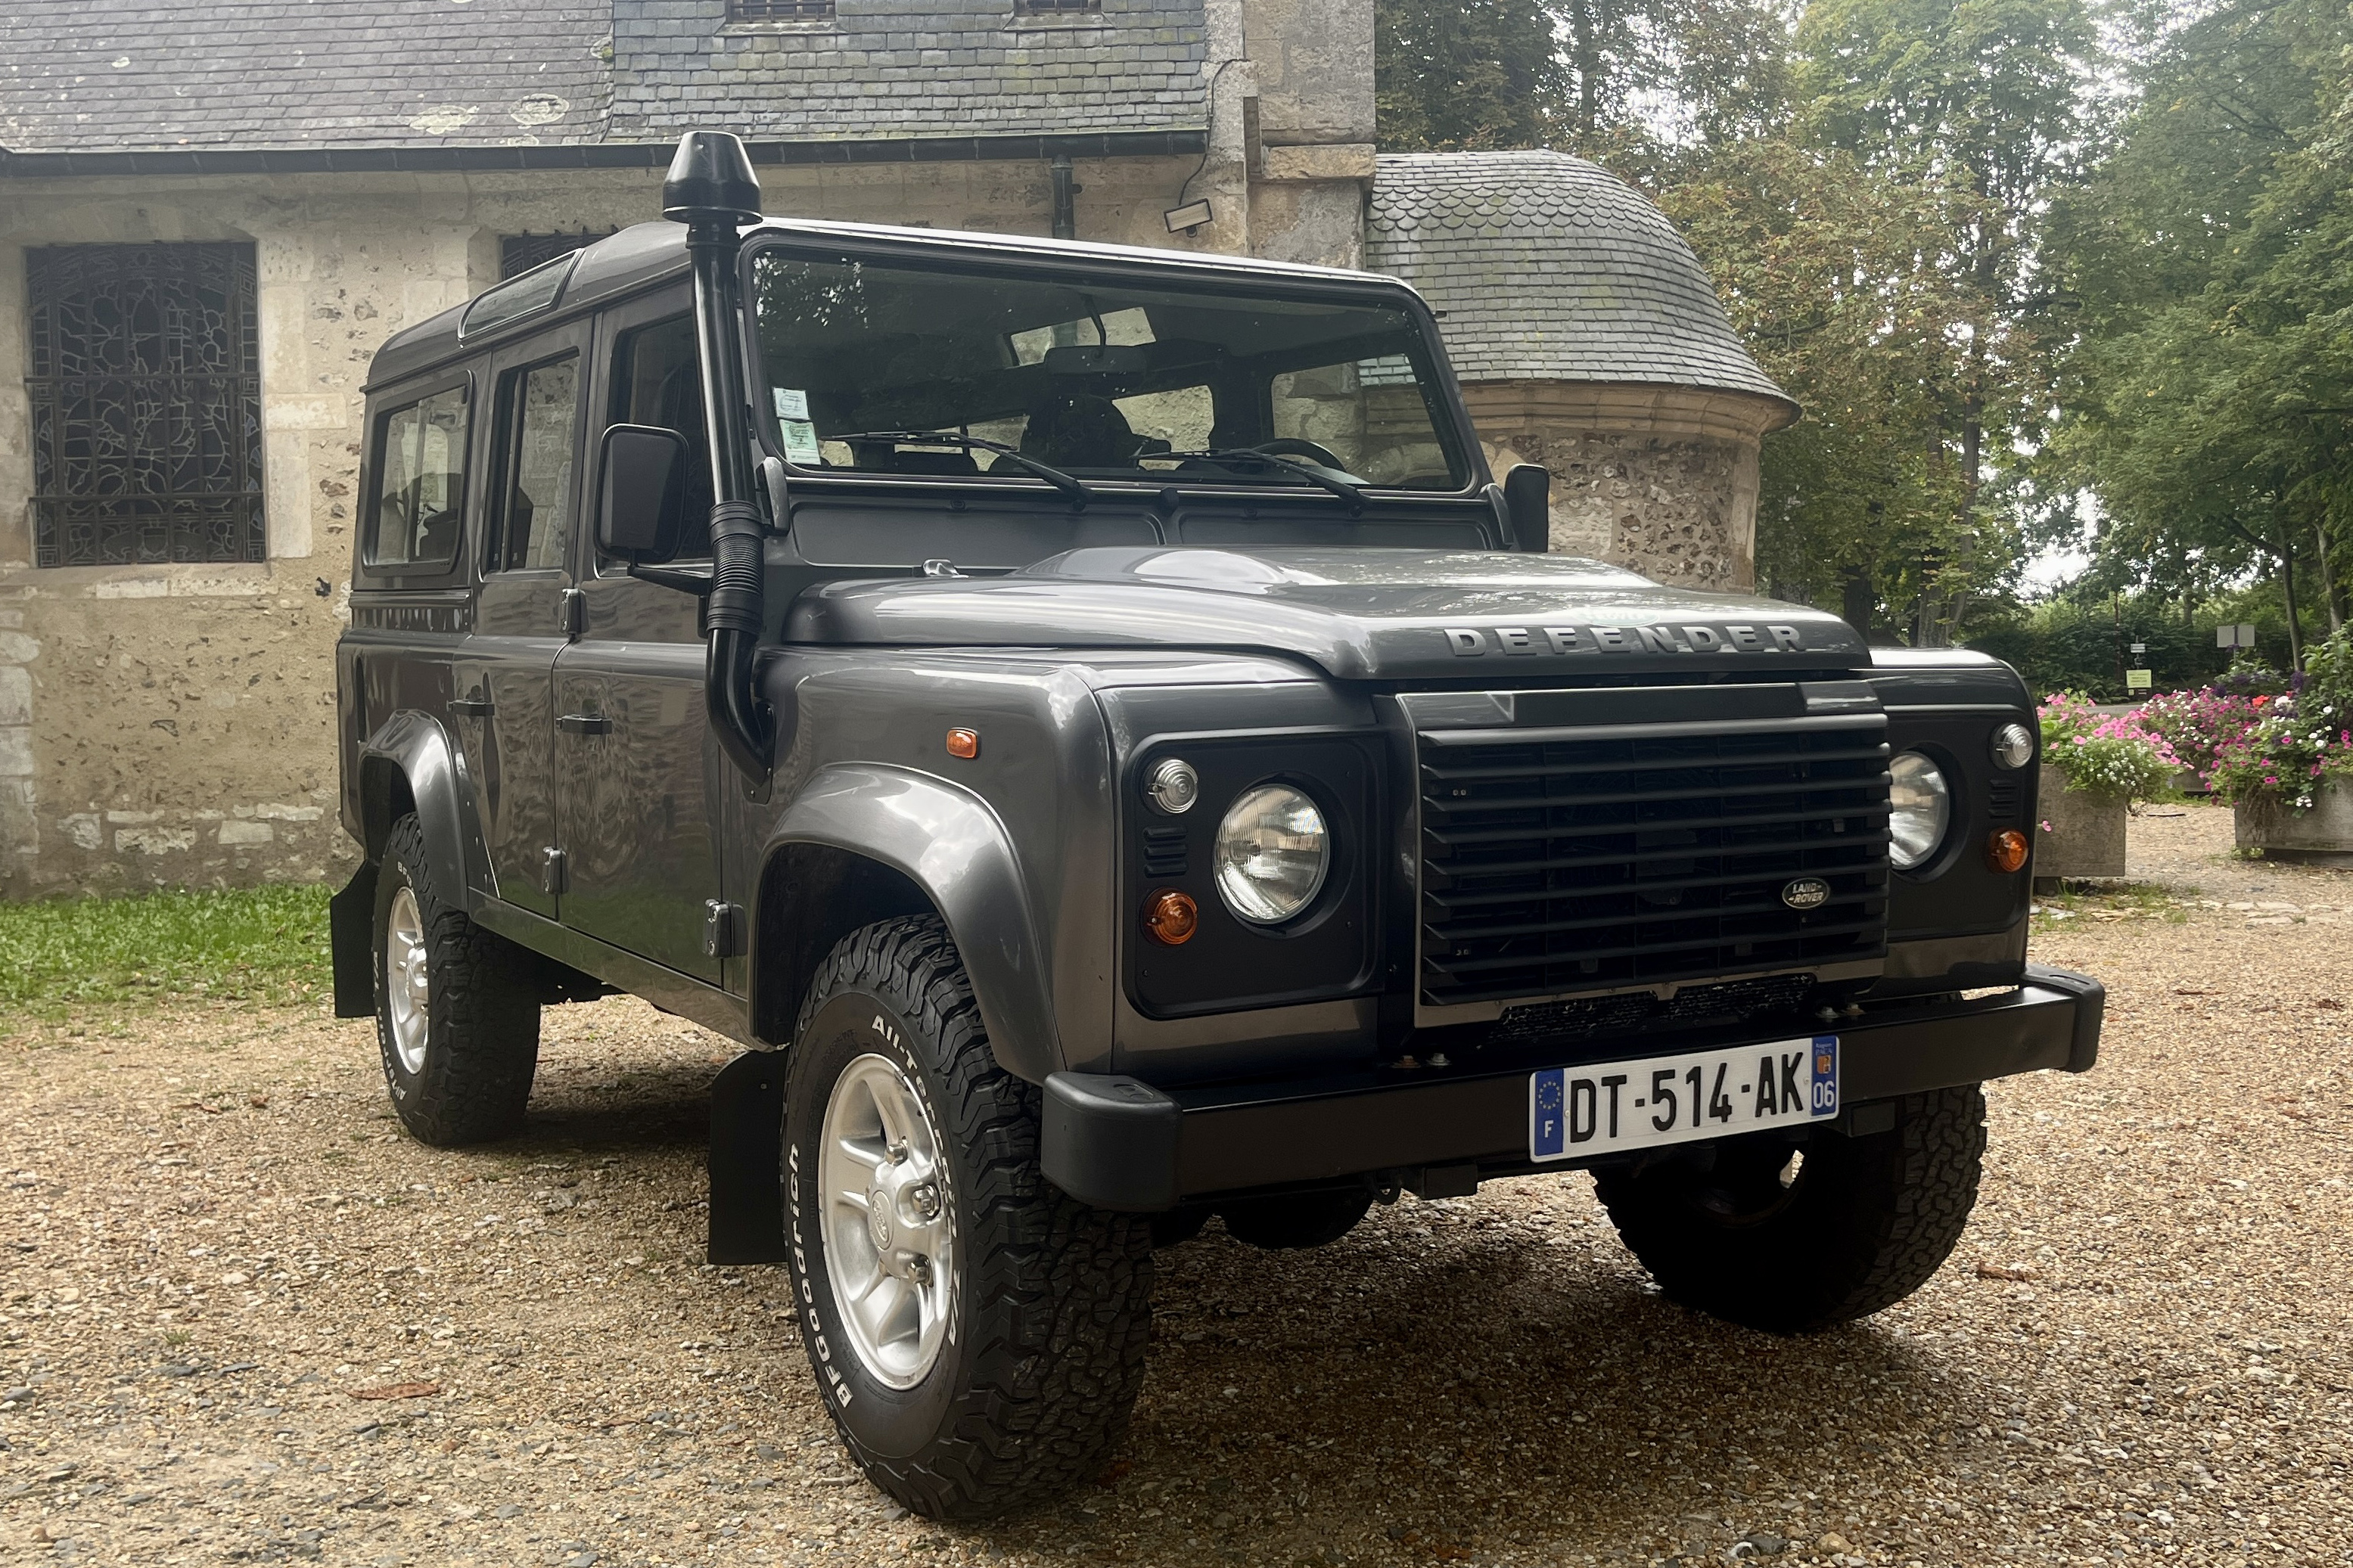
x=637, y=767
x=525, y=611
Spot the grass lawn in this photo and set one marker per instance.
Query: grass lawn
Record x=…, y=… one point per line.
x=250, y=943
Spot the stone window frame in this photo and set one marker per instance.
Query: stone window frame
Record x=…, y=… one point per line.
x=144, y=387
x=1053, y=10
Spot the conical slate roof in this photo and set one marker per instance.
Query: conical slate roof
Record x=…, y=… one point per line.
x=1547, y=267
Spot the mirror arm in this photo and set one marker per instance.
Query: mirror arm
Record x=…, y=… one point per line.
x=695, y=582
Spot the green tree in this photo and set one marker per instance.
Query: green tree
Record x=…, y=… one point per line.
x=1988, y=100
x=1464, y=76
x=1607, y=78
x=2210, y=406
x=1830, y=269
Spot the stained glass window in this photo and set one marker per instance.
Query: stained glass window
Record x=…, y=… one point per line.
x=146, y=401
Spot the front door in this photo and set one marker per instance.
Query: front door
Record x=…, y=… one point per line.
x=523, y=616
x=638, y=768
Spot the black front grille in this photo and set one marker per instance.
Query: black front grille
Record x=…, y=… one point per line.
x=1585, y=860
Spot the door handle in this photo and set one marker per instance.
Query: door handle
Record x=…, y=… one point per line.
x=585, y=724
x=470, y=707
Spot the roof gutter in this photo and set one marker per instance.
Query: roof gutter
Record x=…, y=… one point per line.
x=361, y=160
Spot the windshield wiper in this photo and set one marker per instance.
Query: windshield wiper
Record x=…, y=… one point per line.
x=1077, y=489
x=1314, y=474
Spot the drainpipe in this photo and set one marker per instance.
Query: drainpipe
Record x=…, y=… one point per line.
x=1066, y=203
x=712, y=190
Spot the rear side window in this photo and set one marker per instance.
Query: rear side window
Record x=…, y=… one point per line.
x=541, y=415
x=418, y=512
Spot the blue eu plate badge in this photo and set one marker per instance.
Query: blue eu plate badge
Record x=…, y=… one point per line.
x=1606, y=1106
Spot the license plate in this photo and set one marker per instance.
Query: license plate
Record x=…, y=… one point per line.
x=1609, y=1106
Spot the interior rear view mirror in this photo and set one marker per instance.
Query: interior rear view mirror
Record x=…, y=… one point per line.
x=641, y=478
x=1527, y=502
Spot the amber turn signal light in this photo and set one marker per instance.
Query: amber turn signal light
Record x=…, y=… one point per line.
x=1171, y=917
x=2006, y=851
x=964, y=742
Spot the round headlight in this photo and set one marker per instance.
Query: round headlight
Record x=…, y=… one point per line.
x=2013, y=745
x=1272, y=851
x=1922, y=804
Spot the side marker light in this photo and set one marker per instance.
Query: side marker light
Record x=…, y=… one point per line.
x=1171, y=918
x=2006, y=851
x=964, y=742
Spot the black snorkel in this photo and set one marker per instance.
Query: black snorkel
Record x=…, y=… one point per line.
x=712, y=190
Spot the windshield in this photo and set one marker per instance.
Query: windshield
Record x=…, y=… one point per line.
x=1166, y=383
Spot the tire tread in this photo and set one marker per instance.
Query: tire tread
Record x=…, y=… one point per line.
x=484, y=1024
x=1065, y=1288
x=1900, y=1202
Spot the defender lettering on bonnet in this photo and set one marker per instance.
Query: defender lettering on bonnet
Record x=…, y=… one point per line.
x=1474, y=642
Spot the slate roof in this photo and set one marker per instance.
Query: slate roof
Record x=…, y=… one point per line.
x=171, y=74
x=882, y=66
x=1549, y=268
x=182, y=76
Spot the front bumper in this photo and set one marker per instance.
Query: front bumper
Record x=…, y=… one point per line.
x=1117, y=1143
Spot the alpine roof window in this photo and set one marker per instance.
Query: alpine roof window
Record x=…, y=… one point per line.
x=523, y=296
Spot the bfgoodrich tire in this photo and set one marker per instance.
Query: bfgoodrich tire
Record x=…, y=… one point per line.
x=1846, y=1227
x=457, y=1020
x=977, y=1335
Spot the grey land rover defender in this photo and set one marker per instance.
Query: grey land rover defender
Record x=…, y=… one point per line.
x=1087, y=720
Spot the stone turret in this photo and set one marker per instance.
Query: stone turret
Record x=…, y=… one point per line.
x=1589, y=339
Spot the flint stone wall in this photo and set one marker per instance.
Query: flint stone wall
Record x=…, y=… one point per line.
x=1661, y=480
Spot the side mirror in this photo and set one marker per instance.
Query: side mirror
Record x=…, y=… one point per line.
x=641, y=483
x=1527, y=502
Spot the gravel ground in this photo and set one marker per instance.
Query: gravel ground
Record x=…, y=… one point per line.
x=215, y=1244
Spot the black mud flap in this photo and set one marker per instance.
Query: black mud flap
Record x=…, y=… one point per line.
x=747, y=1156
x=351, y=937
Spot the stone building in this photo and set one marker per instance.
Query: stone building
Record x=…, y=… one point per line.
x=213, y=211
x=1588, y=339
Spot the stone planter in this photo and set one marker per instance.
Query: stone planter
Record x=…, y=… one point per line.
x=2321, y=836
x=2189, y=782
x=2086, y=837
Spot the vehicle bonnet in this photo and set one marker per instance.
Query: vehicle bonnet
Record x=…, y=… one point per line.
x=1357, y=613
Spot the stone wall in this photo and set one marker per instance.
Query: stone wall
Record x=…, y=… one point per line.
x=1660, y=479
x=173, y=725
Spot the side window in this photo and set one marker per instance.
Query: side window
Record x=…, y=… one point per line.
x=418, y=512
x=539, y=417
x=656, y=380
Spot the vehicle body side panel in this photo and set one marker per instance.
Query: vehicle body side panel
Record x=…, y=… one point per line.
x=505, y=672
x=666, y=988
x=951, y=845
x=634, y=797
x=1006, y=843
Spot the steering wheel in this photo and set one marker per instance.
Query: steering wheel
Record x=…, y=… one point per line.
x=1299, y=447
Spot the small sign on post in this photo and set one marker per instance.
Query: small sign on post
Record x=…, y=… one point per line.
x=2239, y=635
x=2140, y=679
